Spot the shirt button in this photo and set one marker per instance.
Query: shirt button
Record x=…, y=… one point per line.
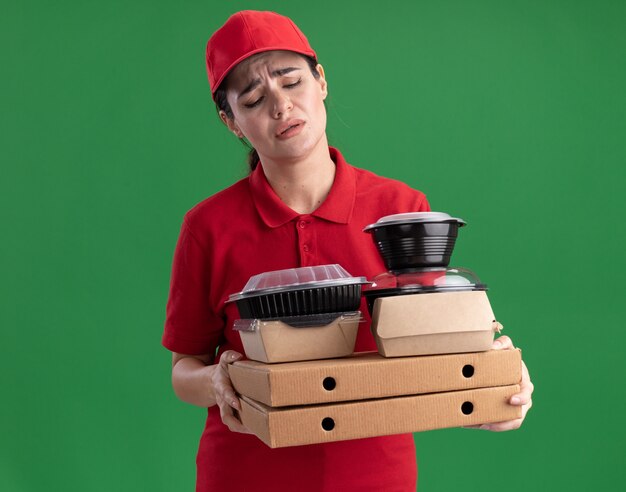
x=306, y=248
x=302, y=224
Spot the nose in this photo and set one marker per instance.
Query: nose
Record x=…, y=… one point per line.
x=282, y=104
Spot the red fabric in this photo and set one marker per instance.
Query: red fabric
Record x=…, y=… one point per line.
x=249, y=32
x=245, y=230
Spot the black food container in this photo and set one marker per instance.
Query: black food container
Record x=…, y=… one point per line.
x=415, y=240
x=421, y=282
x=300, y=292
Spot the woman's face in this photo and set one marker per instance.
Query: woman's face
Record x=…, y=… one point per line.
x=277, y=104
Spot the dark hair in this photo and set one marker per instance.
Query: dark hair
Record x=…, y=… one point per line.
x=222, y=105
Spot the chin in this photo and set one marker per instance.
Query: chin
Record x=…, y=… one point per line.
x=298, y=148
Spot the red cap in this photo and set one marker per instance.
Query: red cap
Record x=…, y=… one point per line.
x=249, y=32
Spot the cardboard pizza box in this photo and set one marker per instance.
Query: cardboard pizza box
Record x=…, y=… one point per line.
x=310, y=424
x=370, y=375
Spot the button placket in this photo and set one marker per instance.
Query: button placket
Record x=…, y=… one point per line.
x=305, y=239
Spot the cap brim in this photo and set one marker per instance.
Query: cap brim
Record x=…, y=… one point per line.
x=225, y=73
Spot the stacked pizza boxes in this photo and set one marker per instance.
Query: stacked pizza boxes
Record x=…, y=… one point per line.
x=433, y=326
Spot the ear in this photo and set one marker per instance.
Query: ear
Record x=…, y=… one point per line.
x=230, y=123
x=322, y=80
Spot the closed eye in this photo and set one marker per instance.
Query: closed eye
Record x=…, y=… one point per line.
x=289, y=86
x=255, y=103
x=260, y=99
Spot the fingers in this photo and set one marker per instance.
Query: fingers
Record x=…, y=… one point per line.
x=508, y=424
x=221, y=381
x=225, y=387
x=224, y=392
x=523, y=399
x=225, y=396
x=229, y=357
x=231, y=421
x=502, y=342
x=526, y=389
x=524, y=396
x=503, y=426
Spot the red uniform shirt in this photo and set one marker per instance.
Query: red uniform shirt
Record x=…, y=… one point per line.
x=245, y=230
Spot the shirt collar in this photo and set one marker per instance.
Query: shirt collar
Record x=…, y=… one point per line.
x=337, y=207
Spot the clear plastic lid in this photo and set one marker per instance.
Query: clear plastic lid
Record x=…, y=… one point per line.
x=296, y=279
x=414, y=218
x=309, y=321
x=428, y=280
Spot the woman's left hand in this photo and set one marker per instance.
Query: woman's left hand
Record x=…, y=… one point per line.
x=523, y=398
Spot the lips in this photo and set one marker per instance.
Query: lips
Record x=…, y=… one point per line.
x=290, y=128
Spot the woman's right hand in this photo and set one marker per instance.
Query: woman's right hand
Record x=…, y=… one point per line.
x=225, y=396
x=198, y=381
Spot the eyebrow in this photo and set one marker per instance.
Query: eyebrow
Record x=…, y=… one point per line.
x=275, y=73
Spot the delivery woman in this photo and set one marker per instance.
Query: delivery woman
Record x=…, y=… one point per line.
x=301, y=205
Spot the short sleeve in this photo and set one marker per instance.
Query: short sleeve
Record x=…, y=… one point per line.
x=191, y=327
x=422, y=203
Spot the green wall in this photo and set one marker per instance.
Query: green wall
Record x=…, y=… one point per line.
x=508, y=114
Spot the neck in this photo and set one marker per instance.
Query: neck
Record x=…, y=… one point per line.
x=302, y=183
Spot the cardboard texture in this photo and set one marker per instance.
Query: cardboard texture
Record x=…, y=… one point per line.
x=275, y=341
x=435, y=323
x=340, y=421
x=370, y=375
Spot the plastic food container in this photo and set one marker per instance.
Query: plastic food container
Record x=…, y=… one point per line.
x=435, y=323
x=276, y=341
x=297, y=292
x=415, y=240
x=432, y=280
x=435, y=311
